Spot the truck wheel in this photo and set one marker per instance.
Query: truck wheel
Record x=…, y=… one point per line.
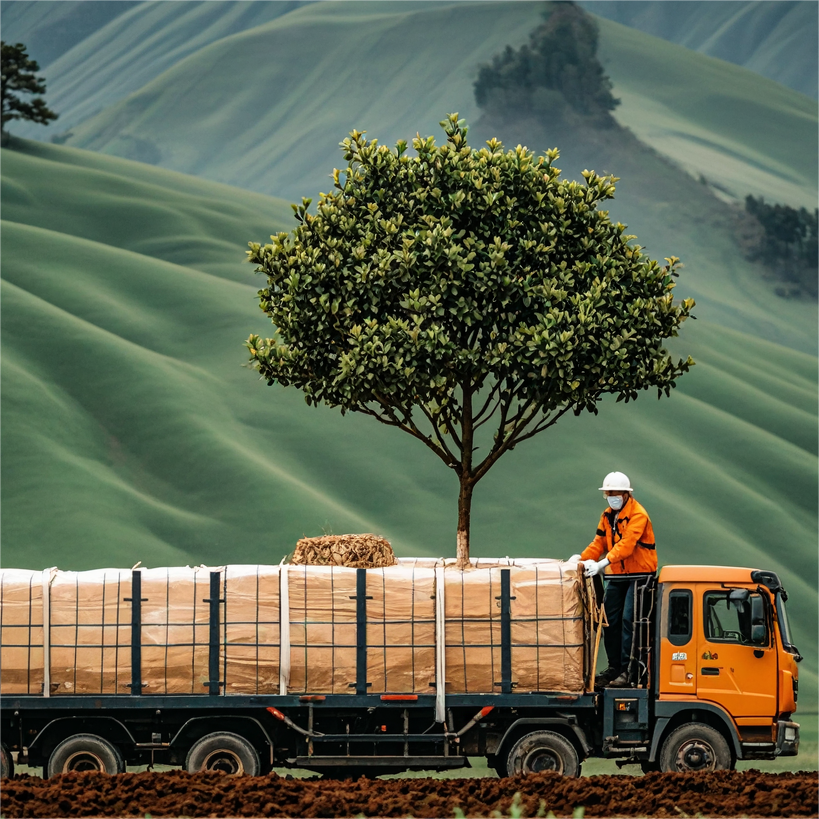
x=695, y=747
x=225, y=752
x=6, y=763
x=543, y=751
x=85, y=752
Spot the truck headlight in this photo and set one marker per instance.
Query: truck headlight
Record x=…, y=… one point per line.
x=790, y=734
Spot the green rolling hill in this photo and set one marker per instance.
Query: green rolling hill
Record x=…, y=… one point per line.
x=95, y=54
x=742, y=132
x=777, y=39
x=50, y=28
x=131, y=431
x=275, y=85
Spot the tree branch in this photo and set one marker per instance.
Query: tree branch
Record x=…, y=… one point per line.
x=489, y=398
x=541, y=425
x=506, y=442
x=441, y=441
x=390, y=420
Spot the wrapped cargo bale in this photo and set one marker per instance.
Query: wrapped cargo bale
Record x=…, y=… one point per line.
x=401, y=630
x=473, y=630
x=548, y=631
x=547, y=626
x=175, y=630
x=354, y=551
x=323, y=629
x=322, y=624
x=90, y=633
x=252, y=635
x=294, y=629
x=21, y=631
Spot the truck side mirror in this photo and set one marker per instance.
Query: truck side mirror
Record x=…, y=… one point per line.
x=759, y=633
x=738, y=598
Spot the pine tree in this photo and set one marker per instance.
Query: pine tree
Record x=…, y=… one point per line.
x=19, y=77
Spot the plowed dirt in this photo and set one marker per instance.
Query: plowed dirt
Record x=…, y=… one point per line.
x=177, y=794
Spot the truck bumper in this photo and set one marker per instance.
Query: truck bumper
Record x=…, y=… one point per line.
x=787, y=738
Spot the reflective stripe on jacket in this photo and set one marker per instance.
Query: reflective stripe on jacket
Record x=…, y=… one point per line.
x=628, y=541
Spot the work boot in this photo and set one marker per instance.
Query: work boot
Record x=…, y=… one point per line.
x=622, y=681
x=605, y=677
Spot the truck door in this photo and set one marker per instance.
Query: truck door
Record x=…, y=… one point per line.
x=678, y=646
x=736, y=656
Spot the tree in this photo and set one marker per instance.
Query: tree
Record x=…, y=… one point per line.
x=788, y=243
x=18, y=77
x=463, y=295
x=557, y=72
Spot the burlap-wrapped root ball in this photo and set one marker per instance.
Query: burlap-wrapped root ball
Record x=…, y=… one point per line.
x=355, y=551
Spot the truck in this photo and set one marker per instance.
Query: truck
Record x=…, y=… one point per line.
x=713, y=680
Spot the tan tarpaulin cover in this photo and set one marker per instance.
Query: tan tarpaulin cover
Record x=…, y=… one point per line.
x=90, y=632
x=21, y=632
x=400, y=629
x=90, y=629
x=252, y=632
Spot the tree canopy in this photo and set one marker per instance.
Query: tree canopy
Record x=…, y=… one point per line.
x=468, y=297
x=19, y=77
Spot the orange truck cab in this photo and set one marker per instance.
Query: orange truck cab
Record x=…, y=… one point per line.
x=723, y=670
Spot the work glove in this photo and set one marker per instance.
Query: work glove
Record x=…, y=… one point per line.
x=593, y=568
x=573, y=559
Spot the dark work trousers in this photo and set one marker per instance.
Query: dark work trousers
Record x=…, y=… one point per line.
x=619, y=603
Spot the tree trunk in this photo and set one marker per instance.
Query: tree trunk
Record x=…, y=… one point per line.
x=464, y=514
x=467, y=483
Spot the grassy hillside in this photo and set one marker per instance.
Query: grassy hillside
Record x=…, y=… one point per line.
x=132, y=432
x=267, y=107
x=274, y=96
x=743, y=132
x=50, y=28
x=774, y=39
x=123, y=46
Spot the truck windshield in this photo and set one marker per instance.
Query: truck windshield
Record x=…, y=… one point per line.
x=784, y=625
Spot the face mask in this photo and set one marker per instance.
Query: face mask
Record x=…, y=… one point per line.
x=615, y=502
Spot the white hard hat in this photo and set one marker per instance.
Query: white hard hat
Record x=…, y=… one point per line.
x=616, y=482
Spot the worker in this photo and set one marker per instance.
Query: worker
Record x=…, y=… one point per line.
x=622, y=547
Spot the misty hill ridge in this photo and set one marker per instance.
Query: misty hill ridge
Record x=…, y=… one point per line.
x=266, y=84
x=774, y=39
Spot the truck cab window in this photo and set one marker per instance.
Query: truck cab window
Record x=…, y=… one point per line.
x=679, y=617
x=728, y=621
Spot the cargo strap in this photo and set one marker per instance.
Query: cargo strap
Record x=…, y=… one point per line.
x=47, y=576
x=284, y=629
x=440, y=647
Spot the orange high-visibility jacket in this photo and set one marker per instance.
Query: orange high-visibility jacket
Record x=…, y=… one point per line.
x=628, y=541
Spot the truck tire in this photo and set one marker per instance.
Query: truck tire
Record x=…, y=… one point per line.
x=543, y=751
x=695, y=747
x=225, y=752
x=85, y=752
x=6, y=763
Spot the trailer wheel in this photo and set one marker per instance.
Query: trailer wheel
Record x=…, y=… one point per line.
x=542, y=751
x=225, y=752
x=6, y=763
x=85, y=752
x=695, y=747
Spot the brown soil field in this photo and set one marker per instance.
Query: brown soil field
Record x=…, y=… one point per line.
x=179, y=794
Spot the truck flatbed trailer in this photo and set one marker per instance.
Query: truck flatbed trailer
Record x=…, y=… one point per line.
x=714, y=679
